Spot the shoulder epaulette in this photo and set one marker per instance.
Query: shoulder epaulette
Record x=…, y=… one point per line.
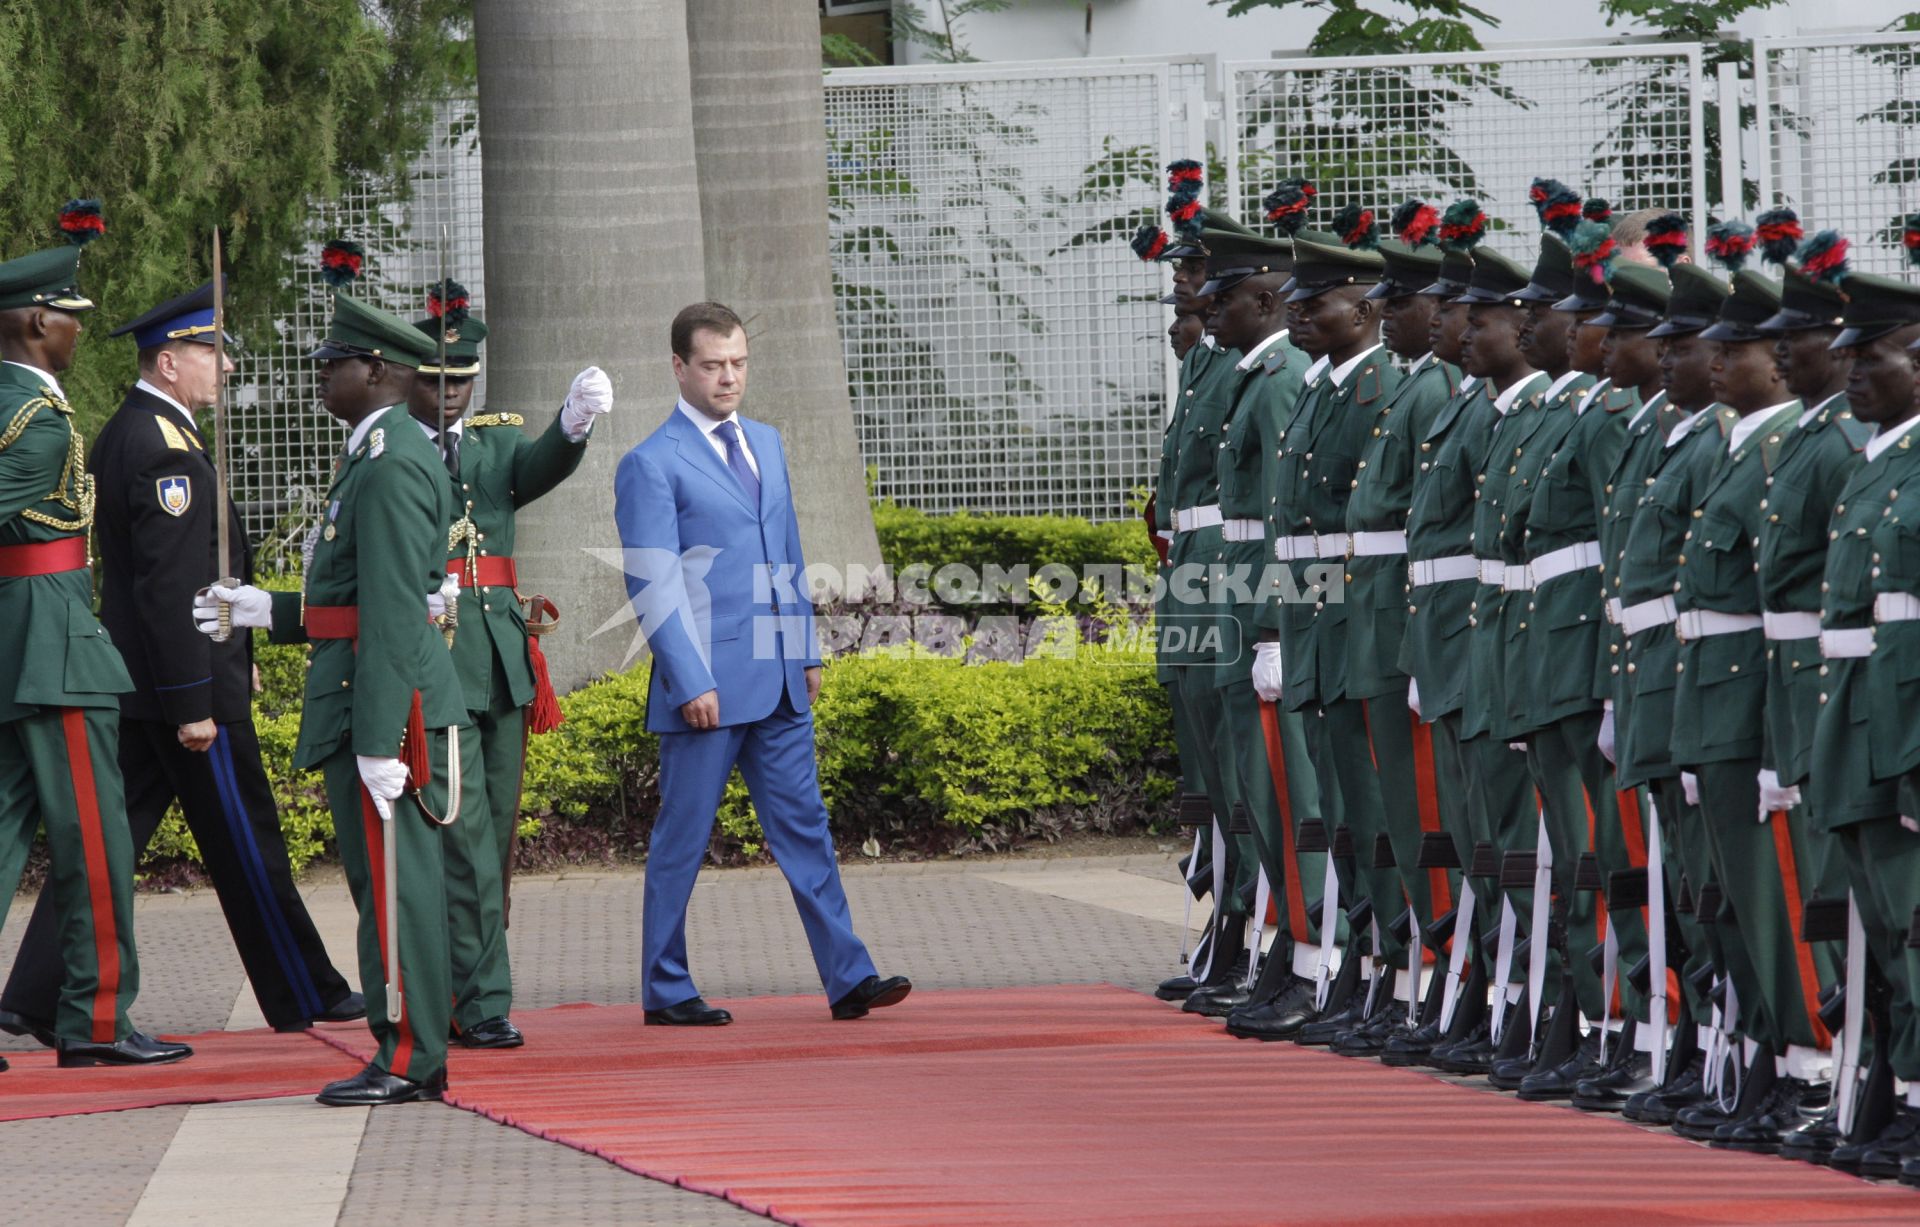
x=497, y=419
x=1853, y=430
x=1275, y=361
x=1366, y=389
x=1774, y=442
x=1618, y=399
x=1724, y=417
x=171, y=435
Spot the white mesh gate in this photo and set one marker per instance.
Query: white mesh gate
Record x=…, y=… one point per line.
x=1620, y=122
x=1003, y=345
x=1839, y=143
x=284, y=443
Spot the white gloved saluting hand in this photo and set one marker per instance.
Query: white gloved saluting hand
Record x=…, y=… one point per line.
x=251, y=607
x=1266, y=671
x=590, y=396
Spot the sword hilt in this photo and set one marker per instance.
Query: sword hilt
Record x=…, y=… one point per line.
x=224, y=631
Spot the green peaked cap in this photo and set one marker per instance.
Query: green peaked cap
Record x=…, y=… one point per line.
x=1876, y=306
x=1235, y=255
x=1694, y=304
x=1496, y=279
x=1750, y=303
x=1322, y=262
x=1552, y=277
x=1409, y=270
x=49, y=278
x=463, y=345
x=1806, y=304
x=362, y=330
x=1637, y=299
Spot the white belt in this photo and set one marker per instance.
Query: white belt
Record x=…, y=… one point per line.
x=1836, y=645
x=1647, y=615
x=1442, y=570
x=1493, y=572
x=1372, y=544
x=1564, y=561
x=1896, y=607
x=1614, y=609
x=1516, y=579
x=1701, y=623
x=1800, y=625
x=1163, y=535
x=1243, y=530
x=1190, y=518
x=1310, y=545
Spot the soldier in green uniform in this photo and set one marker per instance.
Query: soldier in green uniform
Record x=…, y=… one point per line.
x=1866, y=642
x=379, y=678
x=1491, y=347
x=1427, y=821
x=1718, y=720
x=1803, y=483
x=497, y=470
x=1442, y=575
x=1319, y=450
x=1670, y=465
x=1247, y=313
x=60, y=677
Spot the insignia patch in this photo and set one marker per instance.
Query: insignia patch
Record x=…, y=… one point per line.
x=377, y=442
x=176, y=495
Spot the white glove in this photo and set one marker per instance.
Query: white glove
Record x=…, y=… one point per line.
x=1690, y=787
x=1912, y=824
x=251, y=607
x=1605, y=740
x=1413, y=695
x=1518, y=747
x=1266, y=671
x=1775, y=796
x=590, y=396
x=385, y=779
x=449, y=594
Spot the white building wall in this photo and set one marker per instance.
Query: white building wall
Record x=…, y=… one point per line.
x=1050, y=29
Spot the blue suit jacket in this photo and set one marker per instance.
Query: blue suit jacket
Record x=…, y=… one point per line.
x=714, y=580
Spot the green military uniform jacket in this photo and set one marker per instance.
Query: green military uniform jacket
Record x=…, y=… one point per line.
x=1559, y=415
x=1440, y=527
x=1263, y=399
x=1803, y=483
x=382, y=548
x=1319, y=454
x=1620, y=496
x=1567, y=622
x=1852, y=775
x=56, y=653
x=1381, y=500
x=1649, y=568
x=1484, y=710
x=1720, y=682
x=1206, y=400
x=501, y=470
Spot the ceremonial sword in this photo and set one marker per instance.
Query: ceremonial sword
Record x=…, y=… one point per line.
x=223, y=531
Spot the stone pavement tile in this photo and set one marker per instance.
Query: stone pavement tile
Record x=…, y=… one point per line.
x=81, y=1171
x=236, y=1164
x=431, y=1164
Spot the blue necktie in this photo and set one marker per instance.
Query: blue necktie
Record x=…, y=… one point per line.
x=737, y=461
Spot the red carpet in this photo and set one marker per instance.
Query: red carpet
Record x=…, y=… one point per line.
x=226, y=1065
x=1094, y=1105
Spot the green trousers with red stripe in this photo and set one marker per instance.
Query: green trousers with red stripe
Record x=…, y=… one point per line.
x=412, y=1044
x=59, y=768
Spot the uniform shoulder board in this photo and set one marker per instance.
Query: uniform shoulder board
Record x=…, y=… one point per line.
x=171, y=434
x=377, y=442
x=497, y=419
x=1855, y=431
x=1366, y=389
x=1772, y=444
x=1617, y=400
x=1276, y=361
x=1724, y=417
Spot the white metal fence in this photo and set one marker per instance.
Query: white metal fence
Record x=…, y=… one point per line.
x=1620, y=122
x=1002, y=342
x=284, y=442
x=1839, y=143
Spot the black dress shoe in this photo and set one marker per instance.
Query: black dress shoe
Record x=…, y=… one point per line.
x=1792, y=1103
x=1410, y=1047
x=1370, y=1037
x=693, y=1012
x=1897, y=1143
x=872, y=993
x=1471, y=1056
x=1278, y=1019
x=1562, y=1080
x=1330, y=1027
x=492, y=1033
x=1509, y=1073
x=3, y=1065
x=349, y=1008
x=1815, y=1141
x=1610, y=1089
x=1217, y=1000
x=137, y=1049
x=20, y=1024
x=1682, y=1089
x=1176, y=988
x=374, y=1087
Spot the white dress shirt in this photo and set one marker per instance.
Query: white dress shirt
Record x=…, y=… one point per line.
x=707, y=426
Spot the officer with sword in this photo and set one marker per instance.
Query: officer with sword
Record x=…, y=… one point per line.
x=379, y=679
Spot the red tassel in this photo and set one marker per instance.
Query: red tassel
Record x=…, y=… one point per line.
x=413, y=746
x=546, y=715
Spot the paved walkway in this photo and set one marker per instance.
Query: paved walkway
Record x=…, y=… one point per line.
x=575, y=937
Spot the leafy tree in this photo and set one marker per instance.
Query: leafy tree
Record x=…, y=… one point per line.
x=183, y=114
x=935, y=31
x=1351, y=28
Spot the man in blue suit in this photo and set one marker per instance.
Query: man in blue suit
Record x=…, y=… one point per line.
x=706, y=519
